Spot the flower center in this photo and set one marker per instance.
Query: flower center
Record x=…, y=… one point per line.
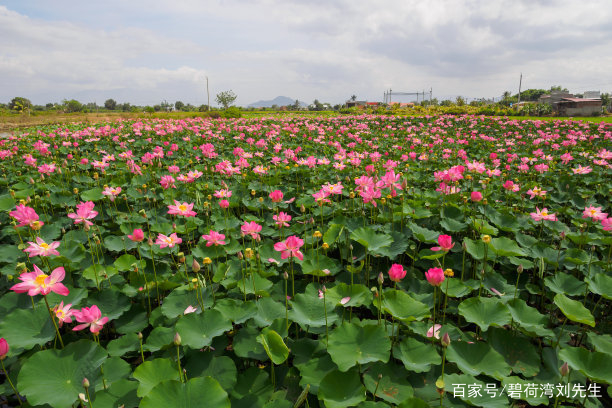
x=44, y=245
x=544, y=213
x=182, y=207
x=40, y=280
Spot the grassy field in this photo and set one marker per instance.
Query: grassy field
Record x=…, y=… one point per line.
x=16, y=121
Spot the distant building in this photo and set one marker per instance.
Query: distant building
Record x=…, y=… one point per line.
x=578, y=106
x=355, y=104
x=554, y=97
x=591, y=95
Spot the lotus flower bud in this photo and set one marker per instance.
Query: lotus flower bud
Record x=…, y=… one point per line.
x=195, y=266
x=177, y=339
x=446, y=340
x=381, y=278
x=181, y=257
x=4, y=348
x=239, y=255
x=285, y=275
x=519, y=269
x=564, y=370
x=139, y=335
x=85, y=382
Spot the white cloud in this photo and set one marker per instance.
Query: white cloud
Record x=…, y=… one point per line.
x=327, y=50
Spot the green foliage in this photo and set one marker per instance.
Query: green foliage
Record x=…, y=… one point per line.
x=226, y=98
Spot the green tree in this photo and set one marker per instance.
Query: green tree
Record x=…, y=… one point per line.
x=20, y=104
x=558, y=88
x=179, y=105
x=110, y=104
x=73, y=106
x=226, y=98
x=353, y=98
x=605, y=100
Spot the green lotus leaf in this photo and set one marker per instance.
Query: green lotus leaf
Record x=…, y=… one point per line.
x=246, y=345
x=592, y=364
x=517, y=350
x=55, y=377
x=504, y=246
x=342, y=389
x=351, y=344
x=403, y=307
x=275, y=347
x=574, y=310
x=566, y=284
x=485, y=312
x=123, y=345
x=528, y=318
x=152, y=372
x=221, y=368
x=601, y=284
x=416, y=355
x=94, y=194
x=388, y=381
x=310, y=310
x=478, y=358
x=193, y=393
x=198, y=330
x=370, y=239
x=26, y=328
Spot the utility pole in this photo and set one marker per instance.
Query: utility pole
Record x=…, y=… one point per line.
x=207, y=94
x=430, y=92
x=520, y=83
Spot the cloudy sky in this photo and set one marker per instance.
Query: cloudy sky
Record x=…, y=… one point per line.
x=145, y=52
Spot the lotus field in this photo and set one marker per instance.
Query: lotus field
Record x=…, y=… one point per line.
x=364, y=261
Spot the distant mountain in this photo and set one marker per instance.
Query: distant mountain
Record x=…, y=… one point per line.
x=278, y=101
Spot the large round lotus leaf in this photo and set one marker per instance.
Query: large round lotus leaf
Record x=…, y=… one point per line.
x=574, y=310
x=388, y=381
x=54, y=377
x=518, y=351
x=114, y=369
x=342, y=389
x=159, y=338
x=455, y=288
x=528, y=318
x=370, y=239
x=197, y=392
x=236, y=310
x=120, y=393
x=565, y=283
x=356, y=295
x=484, y=312
x=198, y=330
x=477, y=358
x=123, y=345
x=254, y=384
x=403, y=307
x=180, y=298
x=221, y=368
x=274, y=345
x=602, y=285
x=416, y=355
x=151, y=373
x=504, y=246
x=602, y=342
x=413, y=403
x=309, y=310
x=458, y=384
x=321, y=266
x=350, y=344
x=592, y=364
x=246, y=345
x=268, y=310
x=313, y=362
x=26, y=328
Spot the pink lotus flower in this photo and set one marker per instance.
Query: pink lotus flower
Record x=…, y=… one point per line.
x=84, y=213
x=282, y=219
x=214, y=238
x=446, y=243
x=111, y=192
x=434, y=331
x=536, y=192
x=594, y=213
x=4, y=348
x=223, y=193
x=190, y=309
x=167, y=182
x=290, y=247
x=63, y=313
x=251, y=228
x=224, y=204
x=476, y=196
x=606, y=223
x=137, y=235
x=345, y=300
x=168, y=241
x=26, y=216
x=38, y=282
x=435, y=276
x=41, y=248
x=332, y=188
x=543, y=215
x=397, y=272
x=183, y=209
x=276, y=196
x=90, y=317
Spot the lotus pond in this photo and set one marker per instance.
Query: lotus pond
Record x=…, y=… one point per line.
x=365, y=261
